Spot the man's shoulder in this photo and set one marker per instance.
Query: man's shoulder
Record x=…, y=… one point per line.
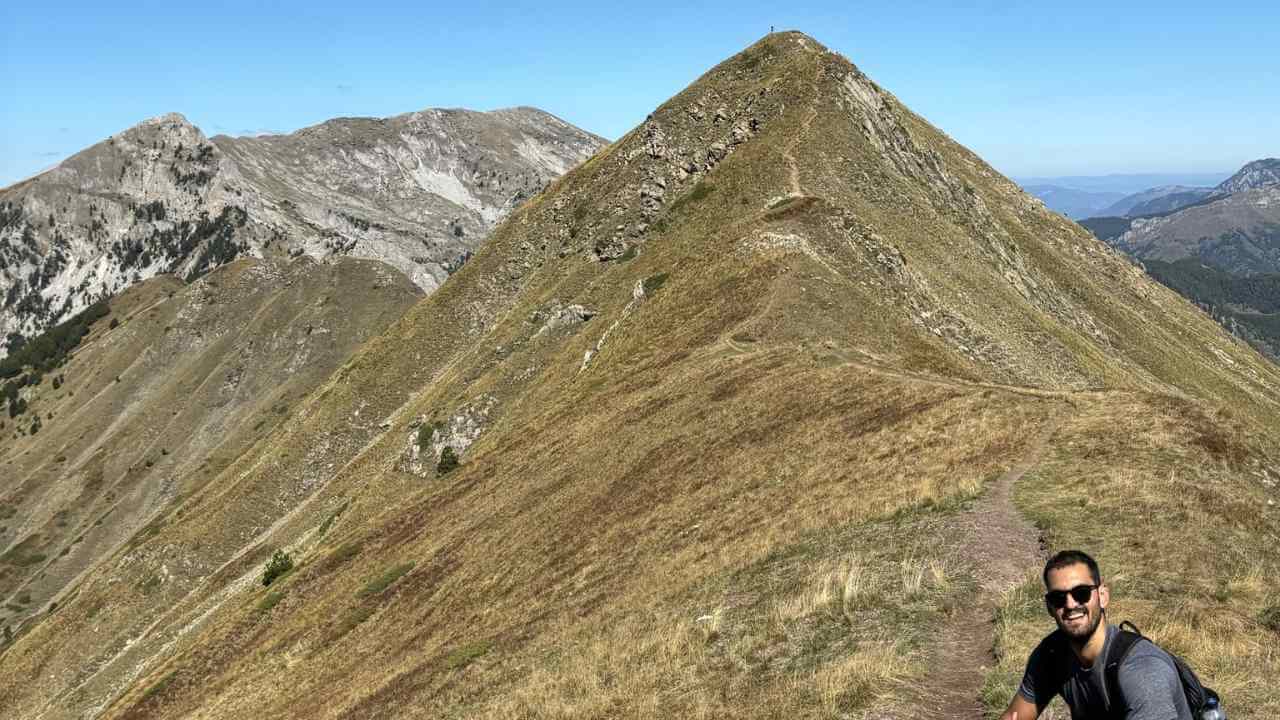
x=1148, y=658
x=1150, y=682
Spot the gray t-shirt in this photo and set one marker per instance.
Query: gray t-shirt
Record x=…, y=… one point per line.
x=1148, y=678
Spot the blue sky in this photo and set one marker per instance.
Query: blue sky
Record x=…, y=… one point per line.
x=1074, y=89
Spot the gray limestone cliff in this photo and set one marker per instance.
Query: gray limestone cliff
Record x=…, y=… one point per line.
x=418, y=191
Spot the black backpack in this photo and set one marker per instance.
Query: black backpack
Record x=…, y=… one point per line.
x=1198, y=696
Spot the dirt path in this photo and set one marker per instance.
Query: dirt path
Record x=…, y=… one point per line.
x=1002, y=546
x=793, y=170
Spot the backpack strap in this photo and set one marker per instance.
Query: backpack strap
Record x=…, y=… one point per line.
x=1120, y=647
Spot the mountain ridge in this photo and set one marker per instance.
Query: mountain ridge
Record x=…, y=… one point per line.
x=715, y=394
x=161, y=197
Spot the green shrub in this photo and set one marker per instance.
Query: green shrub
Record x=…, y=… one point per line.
x=424, y=436
x=271, y=600
x=467, y=654
x=1270, y=618
x=385, y=580
x=352, y=619
x=160, y=686
x=328, y=521
x=653, y=283
x=448, y=461
x=699, y=192
x=279, y=564
x=346, y=552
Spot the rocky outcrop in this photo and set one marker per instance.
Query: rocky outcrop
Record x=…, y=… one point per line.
x=1257, y=174
x=417, y=191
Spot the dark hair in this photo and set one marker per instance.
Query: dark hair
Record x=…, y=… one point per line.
x=1072, y=557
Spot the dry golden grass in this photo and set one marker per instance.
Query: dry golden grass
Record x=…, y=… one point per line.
x=771, y=441
x=1181, y=534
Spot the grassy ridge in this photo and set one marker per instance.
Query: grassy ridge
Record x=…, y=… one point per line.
x=728, y=493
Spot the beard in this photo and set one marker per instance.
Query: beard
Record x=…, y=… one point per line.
x=1082, y=631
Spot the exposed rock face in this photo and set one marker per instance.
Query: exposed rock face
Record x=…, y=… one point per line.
x=1257, y=174
x=417, y=191
x=557, y=315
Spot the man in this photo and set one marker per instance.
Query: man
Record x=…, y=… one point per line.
x=1071, y=660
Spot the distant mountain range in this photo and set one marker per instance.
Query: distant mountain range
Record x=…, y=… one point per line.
x=417, y=191
x=1162, y=199
x=1086, y=196
x=1234, y=226
x=1071, y=202
x=1220, y=248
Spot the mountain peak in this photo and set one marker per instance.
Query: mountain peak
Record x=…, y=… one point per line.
x=1259, y=173
x=171, y=118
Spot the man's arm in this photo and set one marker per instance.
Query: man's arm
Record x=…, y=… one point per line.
x=1020, y=708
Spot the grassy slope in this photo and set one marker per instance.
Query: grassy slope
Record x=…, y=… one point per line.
x=734, y=509
x=154, y=408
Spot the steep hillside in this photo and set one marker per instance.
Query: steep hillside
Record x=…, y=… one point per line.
x=170, y=386
x=728, y=399
x=416, y=191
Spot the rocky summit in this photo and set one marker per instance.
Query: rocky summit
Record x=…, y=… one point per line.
x=416, y=191
x=1254, y=175
x=767, y=409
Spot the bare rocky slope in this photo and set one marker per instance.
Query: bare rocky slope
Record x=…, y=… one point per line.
x=416, y=191
x=721, y=397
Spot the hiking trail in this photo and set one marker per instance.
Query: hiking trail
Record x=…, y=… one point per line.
x=1003, y=547
x=793, y=170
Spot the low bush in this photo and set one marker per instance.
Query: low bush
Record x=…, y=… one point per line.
x=1270, y=618
x=279, y=564
x=328, y=521
x=467, y=654
x=385, y=580
x=653, y=283
x=271, y=600
x=448, y=461
x=346, y=552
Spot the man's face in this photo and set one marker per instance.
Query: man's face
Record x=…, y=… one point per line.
x=1078, y=620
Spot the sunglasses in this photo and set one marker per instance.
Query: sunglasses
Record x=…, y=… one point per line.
x=1058, y=598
